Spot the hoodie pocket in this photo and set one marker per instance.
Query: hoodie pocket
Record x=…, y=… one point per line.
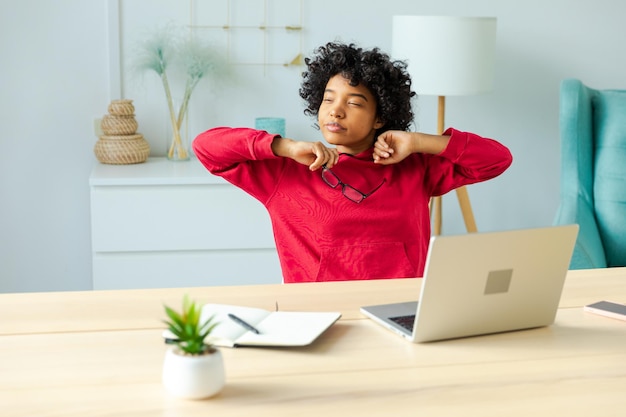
x=366, y=261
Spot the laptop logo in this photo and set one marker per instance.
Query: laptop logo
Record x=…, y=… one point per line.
x=498, y=282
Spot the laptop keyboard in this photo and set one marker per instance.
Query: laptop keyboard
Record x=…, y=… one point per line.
x=404, y=321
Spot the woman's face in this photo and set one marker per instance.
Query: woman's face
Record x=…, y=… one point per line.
x=347, y=116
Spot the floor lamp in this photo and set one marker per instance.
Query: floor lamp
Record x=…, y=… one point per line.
x=447, y=56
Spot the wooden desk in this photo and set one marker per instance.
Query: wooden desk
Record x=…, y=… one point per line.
x=100, y=354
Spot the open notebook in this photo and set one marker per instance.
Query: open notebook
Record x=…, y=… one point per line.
x=275, y=328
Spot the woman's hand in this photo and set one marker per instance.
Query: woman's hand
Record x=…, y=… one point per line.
x=312, y=154
x=394, y=145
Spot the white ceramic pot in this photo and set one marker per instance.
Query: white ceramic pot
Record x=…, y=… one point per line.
x=193, y=377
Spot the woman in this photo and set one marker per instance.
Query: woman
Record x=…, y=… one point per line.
x=357, y=209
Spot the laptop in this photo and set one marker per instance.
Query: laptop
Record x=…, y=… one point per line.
x=483, y=283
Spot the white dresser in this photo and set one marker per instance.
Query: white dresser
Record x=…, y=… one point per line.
x=173, y=224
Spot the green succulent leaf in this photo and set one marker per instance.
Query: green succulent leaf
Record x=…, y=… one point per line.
x=188, y=329
x=173, y=315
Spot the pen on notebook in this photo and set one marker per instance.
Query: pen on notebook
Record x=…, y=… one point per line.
x=243, y=323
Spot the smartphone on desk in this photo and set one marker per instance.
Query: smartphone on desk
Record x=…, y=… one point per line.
x=608, y=309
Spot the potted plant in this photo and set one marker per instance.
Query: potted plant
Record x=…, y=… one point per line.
x=192, y=368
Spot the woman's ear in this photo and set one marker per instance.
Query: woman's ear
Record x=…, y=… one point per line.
x=378, y=123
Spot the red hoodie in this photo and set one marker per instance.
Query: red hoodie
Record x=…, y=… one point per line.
x=321, y=235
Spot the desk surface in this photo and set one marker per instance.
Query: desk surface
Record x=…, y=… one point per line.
x=100, y=354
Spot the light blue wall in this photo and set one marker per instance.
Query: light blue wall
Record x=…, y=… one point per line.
x=55, y=79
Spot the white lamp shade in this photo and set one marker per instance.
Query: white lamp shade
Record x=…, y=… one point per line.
x=446, y=55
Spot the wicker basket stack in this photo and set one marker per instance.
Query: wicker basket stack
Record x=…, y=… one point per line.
x=121, y=144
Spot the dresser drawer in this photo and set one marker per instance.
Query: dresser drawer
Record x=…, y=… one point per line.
x=129, y=270
x=177, y=217
x=172, y=224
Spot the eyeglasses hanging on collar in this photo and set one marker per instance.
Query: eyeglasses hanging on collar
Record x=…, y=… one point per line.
x=347, y=190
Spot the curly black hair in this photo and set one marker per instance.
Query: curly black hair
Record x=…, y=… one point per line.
x=387, y=80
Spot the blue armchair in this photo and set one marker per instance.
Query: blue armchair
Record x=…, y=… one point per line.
x=593, y=173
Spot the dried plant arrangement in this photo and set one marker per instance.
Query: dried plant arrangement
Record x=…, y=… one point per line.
x=167, y=50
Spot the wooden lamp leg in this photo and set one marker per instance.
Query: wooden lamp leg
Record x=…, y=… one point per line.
x=461, y=192
x=466, y=209
x=435, y=210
